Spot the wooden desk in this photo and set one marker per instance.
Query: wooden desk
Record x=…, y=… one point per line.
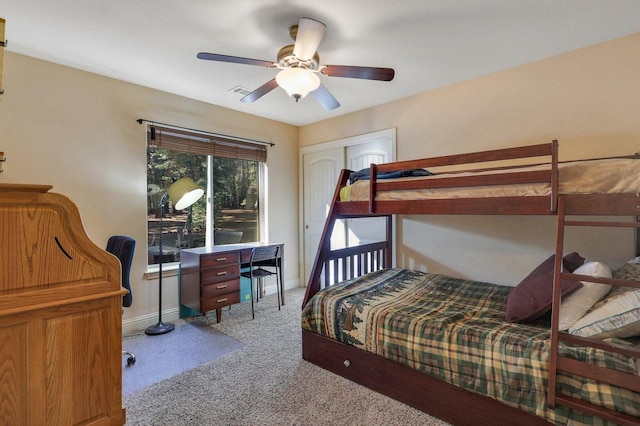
x=210, y=276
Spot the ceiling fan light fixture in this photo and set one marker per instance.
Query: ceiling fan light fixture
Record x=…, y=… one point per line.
x=299, y=65
x=297, y=82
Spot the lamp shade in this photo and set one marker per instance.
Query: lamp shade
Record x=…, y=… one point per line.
x=298, y=82
x=184, y=192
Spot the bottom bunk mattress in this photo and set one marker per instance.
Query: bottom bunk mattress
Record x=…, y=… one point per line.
x=455, y=331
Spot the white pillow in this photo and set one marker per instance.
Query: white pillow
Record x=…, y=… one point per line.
x=575, y=305
x=619, y=314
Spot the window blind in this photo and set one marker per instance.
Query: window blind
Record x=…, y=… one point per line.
x=205, y=144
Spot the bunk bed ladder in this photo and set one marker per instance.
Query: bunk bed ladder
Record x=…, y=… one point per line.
x=333, y=266
x=596, y=205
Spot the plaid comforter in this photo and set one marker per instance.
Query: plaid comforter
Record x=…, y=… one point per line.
x=454, y=330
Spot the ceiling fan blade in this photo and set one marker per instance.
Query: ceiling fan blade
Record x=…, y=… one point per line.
x=325, y=98
x=260, y=91
x=235, y=59
x=367, y=73
x=308, y=38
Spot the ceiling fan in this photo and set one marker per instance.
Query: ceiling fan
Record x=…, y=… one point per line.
x=299, y=65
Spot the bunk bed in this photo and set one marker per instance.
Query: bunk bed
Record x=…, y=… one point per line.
x=563, y=375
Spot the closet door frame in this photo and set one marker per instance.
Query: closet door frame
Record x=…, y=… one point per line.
x=368, y=138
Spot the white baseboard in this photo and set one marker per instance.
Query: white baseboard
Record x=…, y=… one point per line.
x=168, y=315
x=144, y=321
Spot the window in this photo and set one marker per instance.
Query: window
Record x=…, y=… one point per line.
x=228, y=170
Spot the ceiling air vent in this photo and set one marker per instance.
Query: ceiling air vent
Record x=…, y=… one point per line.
x=240, y=90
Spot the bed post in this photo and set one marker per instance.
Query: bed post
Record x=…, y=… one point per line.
x=555, y=306
x=637, y=234
x=373, y=178
x=554, y=176
x=388, y=256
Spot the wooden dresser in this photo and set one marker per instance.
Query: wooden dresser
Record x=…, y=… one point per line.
x=210, y=276
x=60, y=315
x=209, y=280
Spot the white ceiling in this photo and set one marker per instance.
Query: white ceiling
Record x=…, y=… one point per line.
x=429, y=43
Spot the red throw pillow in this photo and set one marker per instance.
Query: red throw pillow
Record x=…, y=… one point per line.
x=532, y=298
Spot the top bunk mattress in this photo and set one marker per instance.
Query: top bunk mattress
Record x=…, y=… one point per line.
x=605, y=176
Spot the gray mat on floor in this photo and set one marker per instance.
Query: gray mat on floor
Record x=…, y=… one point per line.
x=161, y=357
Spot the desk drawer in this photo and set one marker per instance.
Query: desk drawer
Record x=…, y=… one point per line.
x=211, y=303
x=216, y=275
x=221, y=288
x=220, y=259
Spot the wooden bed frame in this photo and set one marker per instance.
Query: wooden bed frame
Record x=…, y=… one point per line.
x=445, y=401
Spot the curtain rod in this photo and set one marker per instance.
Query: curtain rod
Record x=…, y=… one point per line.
x=143, y=120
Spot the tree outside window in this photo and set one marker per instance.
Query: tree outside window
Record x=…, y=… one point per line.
x=233, y=207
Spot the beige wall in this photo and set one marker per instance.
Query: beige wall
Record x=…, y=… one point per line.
x=78, y=132
x=587, y=99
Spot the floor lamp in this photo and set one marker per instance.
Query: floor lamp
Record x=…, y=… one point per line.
x=182, y=193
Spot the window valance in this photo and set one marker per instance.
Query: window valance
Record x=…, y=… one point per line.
x=205, y=143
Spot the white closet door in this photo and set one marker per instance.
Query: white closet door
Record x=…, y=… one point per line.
x=321, y=167
x=321, y=172
x=361, y=156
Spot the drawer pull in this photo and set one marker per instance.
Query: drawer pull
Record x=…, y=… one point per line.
x=221, y=273
x=221, y=300
x=221, y=259
x=220, y=287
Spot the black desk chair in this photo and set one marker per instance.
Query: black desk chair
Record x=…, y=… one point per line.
x=262, y=258
x=123, y=247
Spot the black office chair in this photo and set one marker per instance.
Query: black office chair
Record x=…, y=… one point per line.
x=123, y=247
x=262, y=258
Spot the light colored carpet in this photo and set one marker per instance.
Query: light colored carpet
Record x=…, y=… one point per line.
x=266, y=382
x=163, y=356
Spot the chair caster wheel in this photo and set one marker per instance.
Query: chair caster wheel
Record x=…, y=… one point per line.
x=130, y=361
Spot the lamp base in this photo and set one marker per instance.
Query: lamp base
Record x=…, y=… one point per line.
x=159, y=328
